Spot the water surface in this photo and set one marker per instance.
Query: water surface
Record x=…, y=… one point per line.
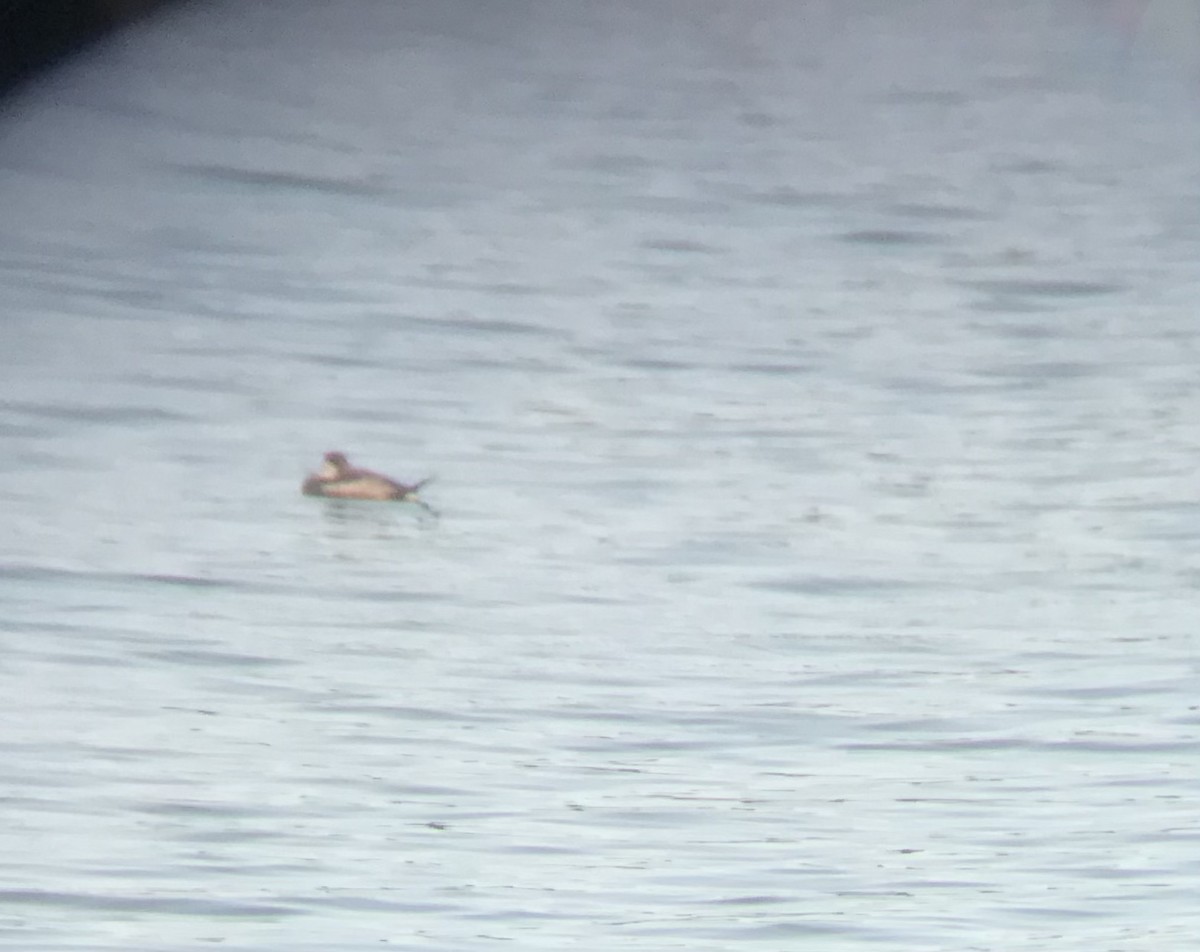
x=811, y=390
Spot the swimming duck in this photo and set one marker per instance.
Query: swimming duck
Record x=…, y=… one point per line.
x=337, y=479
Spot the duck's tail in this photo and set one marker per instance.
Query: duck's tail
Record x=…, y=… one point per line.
x=410, y=495
x=418, y=485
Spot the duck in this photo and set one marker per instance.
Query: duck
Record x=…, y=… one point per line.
x=337, y=479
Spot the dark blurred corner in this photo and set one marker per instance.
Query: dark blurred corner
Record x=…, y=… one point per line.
x=36, y=34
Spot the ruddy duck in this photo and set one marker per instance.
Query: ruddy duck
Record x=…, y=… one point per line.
x=337, y=479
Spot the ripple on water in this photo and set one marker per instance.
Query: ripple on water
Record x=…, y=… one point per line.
x=107, y=903
x=281, y=180
x=216, y=659
x=836, y=586
x=785, y=196
x=891, y=237
x=94, y=415
x=935, y=212
x=1049, y=288
x=681, y=246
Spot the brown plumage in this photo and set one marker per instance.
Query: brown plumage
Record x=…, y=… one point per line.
x=337, y=479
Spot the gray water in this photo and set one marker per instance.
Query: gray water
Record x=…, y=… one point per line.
x=812, y=394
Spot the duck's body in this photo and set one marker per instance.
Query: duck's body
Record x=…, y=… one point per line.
x=337, y=479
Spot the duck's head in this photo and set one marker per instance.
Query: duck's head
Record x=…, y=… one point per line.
x=335, y=465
